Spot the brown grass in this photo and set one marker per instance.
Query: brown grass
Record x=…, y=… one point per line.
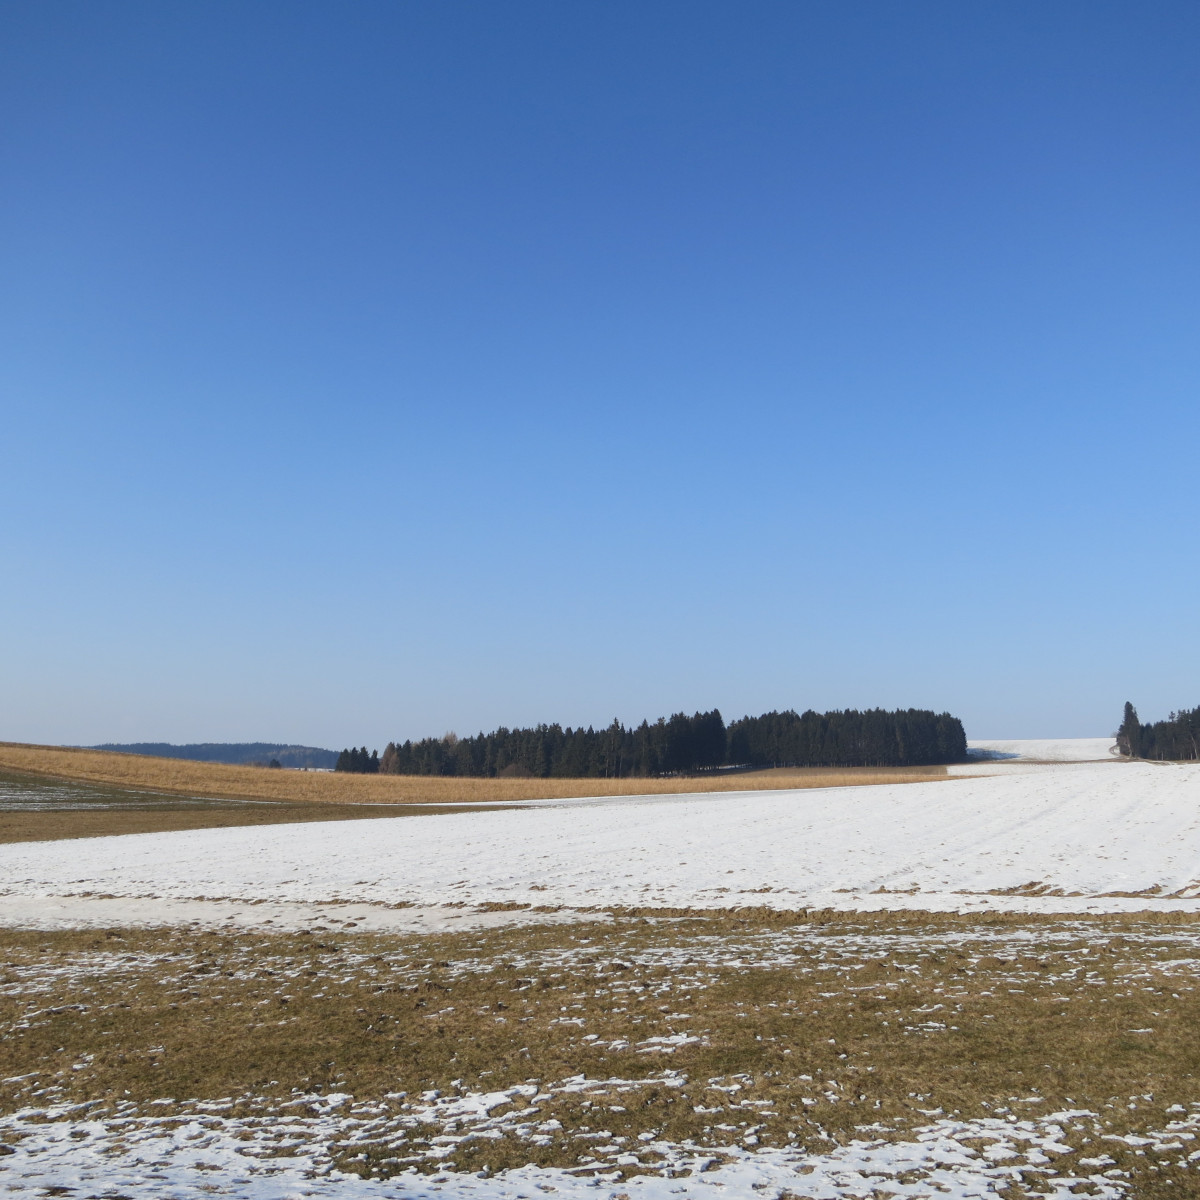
x=318, y=787
x=20, y=825
x=812, y=1029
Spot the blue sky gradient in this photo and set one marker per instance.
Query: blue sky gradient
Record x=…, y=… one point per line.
x=369, y=371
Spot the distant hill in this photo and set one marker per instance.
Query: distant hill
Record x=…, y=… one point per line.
x=242, y=753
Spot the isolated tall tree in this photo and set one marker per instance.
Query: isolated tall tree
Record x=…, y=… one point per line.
x=1129, y=736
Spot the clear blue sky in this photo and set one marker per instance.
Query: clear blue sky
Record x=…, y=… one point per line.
x=372, y=370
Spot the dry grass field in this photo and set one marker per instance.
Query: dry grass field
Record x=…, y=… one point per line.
x=17, y=825
x=317, y=787
x=1051, y=1056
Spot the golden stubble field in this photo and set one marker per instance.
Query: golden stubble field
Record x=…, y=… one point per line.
x=319, y=787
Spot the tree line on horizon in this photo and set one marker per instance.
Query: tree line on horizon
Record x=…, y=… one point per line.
x=1176, y=739
x=358, y=762
x=680, y=744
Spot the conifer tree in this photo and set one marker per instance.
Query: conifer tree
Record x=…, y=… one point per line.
x=1129, y=736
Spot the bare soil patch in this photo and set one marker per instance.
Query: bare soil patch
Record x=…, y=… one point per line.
x=55, y=826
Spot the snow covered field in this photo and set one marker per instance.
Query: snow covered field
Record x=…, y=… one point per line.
x=1074, y=837
x=1047, y=749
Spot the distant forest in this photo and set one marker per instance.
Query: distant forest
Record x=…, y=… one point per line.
x=241, y=753
x=1177, y=738
x=680, y=745
x=358, y=762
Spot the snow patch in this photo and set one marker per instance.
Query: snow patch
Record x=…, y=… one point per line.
x=1072, y=838
x=205, y=1153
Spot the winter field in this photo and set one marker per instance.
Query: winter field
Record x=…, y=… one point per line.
x=1007, y=835
x=979, y=986
x=1047, y=750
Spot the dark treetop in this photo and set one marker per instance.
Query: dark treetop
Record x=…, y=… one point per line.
x=681, y=744
x=1178, y=737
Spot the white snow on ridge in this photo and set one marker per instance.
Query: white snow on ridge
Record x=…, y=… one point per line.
x=25, y=911
x=1085, y=832
x=1046, y=749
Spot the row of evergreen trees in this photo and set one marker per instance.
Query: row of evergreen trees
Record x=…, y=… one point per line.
x=1178, y=737
x=875, y=738
x=681, y=744
x=358, y=762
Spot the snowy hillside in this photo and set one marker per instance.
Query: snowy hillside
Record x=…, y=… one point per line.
x=1103, y=837
x=1046, y=749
